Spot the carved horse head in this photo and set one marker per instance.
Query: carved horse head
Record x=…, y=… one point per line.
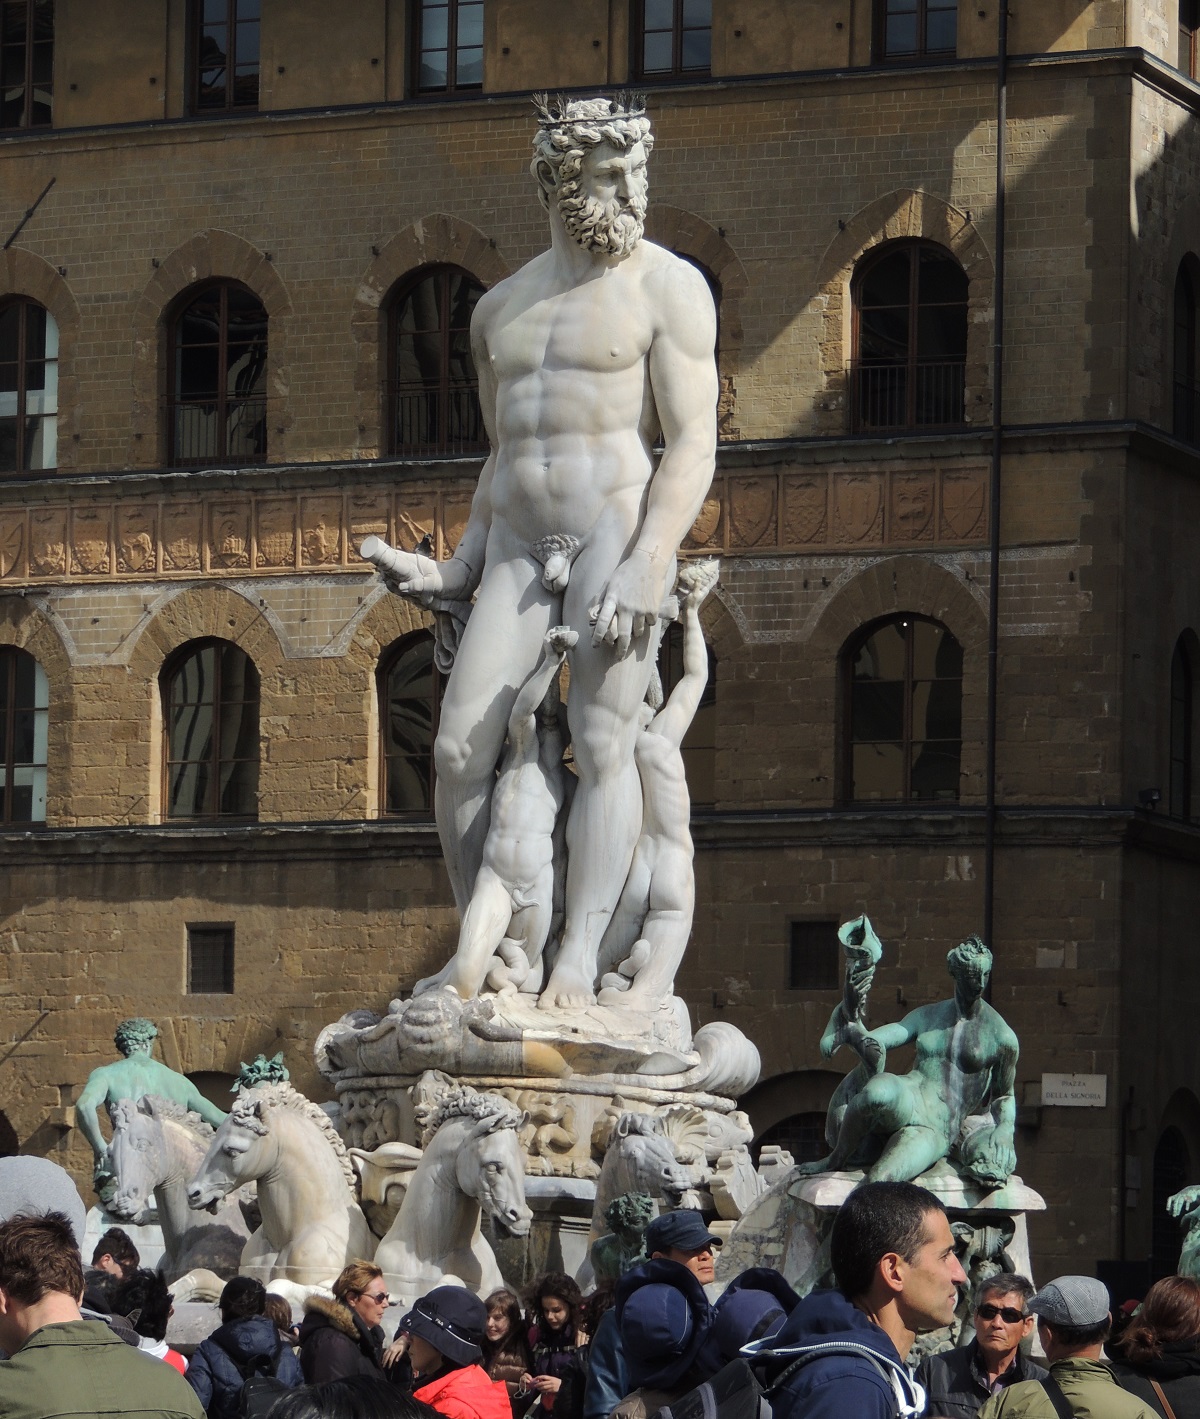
x=640, y=1159
x=491, y=1168
x=241, y=1150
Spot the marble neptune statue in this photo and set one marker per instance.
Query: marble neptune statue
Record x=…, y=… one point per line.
x=135, y=1075
x=584, y=356
x=957, y=1102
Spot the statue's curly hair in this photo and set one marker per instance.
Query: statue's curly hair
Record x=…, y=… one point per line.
x=135, y=1033
x=567, y=128
x=465, y=1102
x=631, y=1212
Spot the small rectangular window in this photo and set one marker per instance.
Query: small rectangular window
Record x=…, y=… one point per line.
x=814, y=956
x=210, y=959
x=915, y=29
x=224, y=55
x=672, y=38
x=449, y=47
x=27, y=63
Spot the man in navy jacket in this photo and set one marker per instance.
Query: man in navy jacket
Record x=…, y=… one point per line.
x=893, y=1258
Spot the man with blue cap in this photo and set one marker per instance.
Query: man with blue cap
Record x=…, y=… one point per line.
x=664, y=1316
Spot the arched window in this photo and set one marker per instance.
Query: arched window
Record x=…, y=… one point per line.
x=432, y=392
x=210, y=696
x=24, y=731
x=28, y=387
x=1186, y=422
x=1183, y=726
x=910, y=338
x=218, y=373
x=904, y=713
x=1172, y=1171
x=410, y=691
x=699, y=747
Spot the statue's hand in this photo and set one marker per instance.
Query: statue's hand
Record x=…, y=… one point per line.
x=104, y=1180
x=415, y=575
x=629, y=602
x=559, y=640
x=1182, y=1202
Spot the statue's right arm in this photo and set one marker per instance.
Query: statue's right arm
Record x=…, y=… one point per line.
x=208, y=1111
x=93, y=1094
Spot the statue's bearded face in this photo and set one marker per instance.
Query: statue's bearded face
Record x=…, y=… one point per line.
x=604, y=208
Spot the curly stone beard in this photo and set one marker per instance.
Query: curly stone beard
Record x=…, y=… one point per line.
x=610, y=228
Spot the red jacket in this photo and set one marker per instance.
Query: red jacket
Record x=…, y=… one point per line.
x=466, y=1394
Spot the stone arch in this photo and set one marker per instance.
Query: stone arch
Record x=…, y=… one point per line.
x=200, y=613
x=896, y=215
x=24, y=624
x=891, y=586
x=721, y=630
x=689, y=235
x=24, y=274
x=209, y=255
x=434, y=240
x=774, y=1099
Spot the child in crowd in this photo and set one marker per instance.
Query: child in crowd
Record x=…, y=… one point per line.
x=556, y=1307
x=506, y=1354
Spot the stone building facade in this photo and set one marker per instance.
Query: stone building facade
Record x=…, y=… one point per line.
x=801, y=144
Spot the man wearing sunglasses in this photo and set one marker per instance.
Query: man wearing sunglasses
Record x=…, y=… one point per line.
x=957, y=1382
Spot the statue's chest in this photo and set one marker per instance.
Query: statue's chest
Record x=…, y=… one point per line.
x=590, y=328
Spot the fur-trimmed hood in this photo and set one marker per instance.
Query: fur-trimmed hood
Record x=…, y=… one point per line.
x=328, y=1310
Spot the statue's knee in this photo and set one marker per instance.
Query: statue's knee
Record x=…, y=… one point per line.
x=451, y=757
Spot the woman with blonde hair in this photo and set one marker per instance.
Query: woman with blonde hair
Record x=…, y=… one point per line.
x=344, y=1336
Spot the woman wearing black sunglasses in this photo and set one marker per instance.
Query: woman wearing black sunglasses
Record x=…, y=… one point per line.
x=344, y=1336
x=957, y=1382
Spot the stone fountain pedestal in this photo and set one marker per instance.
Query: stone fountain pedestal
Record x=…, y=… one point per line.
x=790, y=1225
x=572, y=1074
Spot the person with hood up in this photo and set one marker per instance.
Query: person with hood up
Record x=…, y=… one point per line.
x=894, y=1261
x=752, y=1307
x=664, y=1317
x=1158, y=1355
x=344, y=1336
x=245, y=1338
x=445, y=1331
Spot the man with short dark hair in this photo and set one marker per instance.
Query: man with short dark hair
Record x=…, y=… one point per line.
x=116, y=1254
x=957, y=1382
x=1073, y=1324
x=894, y=1260
x=61, y=1365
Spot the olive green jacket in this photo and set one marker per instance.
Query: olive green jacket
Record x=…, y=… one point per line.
x=1090, y=1388
x=81, y=1370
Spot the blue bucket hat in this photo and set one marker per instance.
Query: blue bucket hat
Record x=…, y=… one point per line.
x=664, y=1319
x=680, y=1230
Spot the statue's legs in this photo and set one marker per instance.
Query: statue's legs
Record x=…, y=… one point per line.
x=908, y=1153
x=606, y=815
x=665, y=932
x=484, y=925
x=500, y=648
x=625, y=927
x=884, y=1105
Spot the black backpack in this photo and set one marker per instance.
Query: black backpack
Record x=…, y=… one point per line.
x=260, y=1386
x=742, y=1390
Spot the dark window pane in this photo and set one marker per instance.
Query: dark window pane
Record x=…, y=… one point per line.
x=814, y=956
x=697, y=49
x=248, y=9
x=410, y=689
x=246, y=53
x=433, y=70
x=212, y=734
x=886, y=282
x=901, y=35
x=656, y=53
x=215, y=11
x=878, y=772
x=432, y=383
x=935, y=771
x=470, y=26
x=941, y=35
x=210, y=960
x=697, y=13
x=435, y=27
x=470, y=68
x=941, y=279
x=659, y=14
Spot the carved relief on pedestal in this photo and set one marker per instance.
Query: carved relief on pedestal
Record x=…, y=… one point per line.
x=367, y=516
x=706, y=529
x=964, y=505
x=857, y=507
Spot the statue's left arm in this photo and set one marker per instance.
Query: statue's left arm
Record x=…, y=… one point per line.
x=209, y=1112
x=683, y=379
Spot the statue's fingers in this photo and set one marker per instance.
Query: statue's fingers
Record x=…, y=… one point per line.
x=604, y=621
x=624, y=634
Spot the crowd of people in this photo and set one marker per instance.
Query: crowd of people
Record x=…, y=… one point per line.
x=92, y=1342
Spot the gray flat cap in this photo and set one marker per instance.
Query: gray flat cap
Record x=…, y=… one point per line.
x=1071, y=1300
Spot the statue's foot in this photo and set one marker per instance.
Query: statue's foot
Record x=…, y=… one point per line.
x=808, y=1170
x=446, y=979
x=567, y=989
x=631, y=998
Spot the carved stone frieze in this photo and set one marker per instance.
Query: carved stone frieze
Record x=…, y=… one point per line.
x=747, y=513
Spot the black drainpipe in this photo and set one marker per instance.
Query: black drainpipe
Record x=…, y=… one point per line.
x=989, y=829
